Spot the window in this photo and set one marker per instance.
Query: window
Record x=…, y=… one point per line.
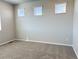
x=0, y=23
x=60, y=8
x=38, y=11
x=21, y=12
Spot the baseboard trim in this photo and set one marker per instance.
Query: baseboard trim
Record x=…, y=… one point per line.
x=75, y=51
x=6, y=42
x=45, y=42
x=49, y=43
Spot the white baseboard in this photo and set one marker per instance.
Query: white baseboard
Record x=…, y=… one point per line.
x=45, y=42
x=6, y=42
x=49, y=43
x=75, y=51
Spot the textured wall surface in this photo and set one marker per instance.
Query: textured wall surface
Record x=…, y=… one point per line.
x=47, y=28
x=7, y=22
x=75, y=28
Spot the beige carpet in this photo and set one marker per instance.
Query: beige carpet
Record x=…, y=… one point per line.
x=31, y=50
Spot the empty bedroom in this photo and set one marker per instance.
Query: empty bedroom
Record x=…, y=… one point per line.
x=38, y=29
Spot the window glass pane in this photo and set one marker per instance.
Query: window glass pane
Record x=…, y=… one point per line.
x=38, y=11
x=21, y=12
x=60, y=8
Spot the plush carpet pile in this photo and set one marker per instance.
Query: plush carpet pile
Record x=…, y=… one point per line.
x=32, y=50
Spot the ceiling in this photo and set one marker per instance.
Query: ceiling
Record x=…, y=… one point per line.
x=12, y=1
x=18, y=1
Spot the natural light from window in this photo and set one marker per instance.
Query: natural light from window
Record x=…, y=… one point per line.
x=21, y=12
x=38, y=11
x=60, y=8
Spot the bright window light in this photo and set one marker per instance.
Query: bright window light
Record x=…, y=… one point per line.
x=38, y=11
x=0, y=23
x=60, y=8
x=21, y=12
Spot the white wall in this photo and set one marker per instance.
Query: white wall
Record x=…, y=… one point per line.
x=49, y=27
x=75, y=28
x=7, y=21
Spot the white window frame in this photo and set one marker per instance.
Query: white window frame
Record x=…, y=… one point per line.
x=38, y=11
x=21, y=12
x=60, y=8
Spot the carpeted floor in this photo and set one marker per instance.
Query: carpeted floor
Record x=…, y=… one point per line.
x=32, y=50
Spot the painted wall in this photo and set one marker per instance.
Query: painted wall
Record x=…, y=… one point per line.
x=75, y=28
x=47, y=28
x=6, y=13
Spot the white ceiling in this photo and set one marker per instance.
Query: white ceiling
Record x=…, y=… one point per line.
x=18, y=1
x=13, y=1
